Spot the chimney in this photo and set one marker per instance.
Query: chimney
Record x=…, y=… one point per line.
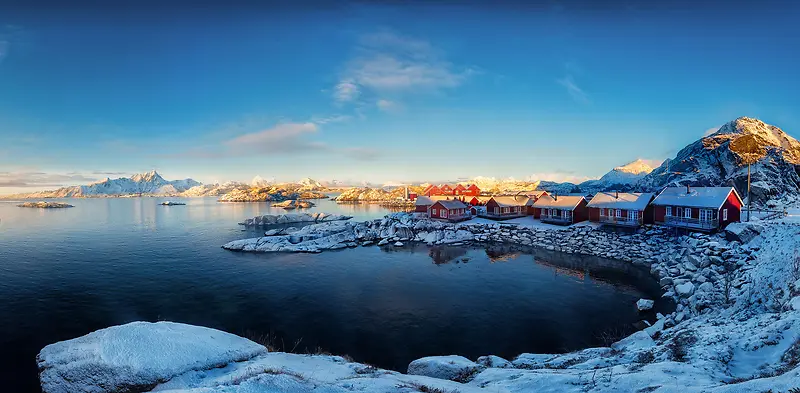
x=616, y=194
x=555, y=196
x=687, y=189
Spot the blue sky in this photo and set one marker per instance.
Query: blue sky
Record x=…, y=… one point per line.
x=379, y=92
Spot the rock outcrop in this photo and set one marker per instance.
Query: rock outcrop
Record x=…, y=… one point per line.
x=45, y=205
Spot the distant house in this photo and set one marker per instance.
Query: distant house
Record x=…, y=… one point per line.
x=423, y=203
x=459, y=189
x=534, y=196
x=432, y=191
x=561, y=209
x=446, y=189
x=450, y=210
x=697, y=208
x=502, y=207
x=478, y=200
x=471, y=190
x=622, y=209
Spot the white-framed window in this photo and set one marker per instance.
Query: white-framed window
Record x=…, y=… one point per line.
x=444, y=213
x=669, y=211
x=433, y=212
x=602, y=211
x=497, y=210
x=565, y=214
x=705, y=215
x=618, y=213
x=633, y=215
x=687, y=212
x=724, y=214
x=679, y=212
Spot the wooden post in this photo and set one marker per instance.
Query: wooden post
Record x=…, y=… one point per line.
x=748, y=191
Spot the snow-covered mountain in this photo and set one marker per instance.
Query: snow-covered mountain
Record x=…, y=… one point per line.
x=621, y=178
x=259, y=181
x=495, y=185
x=149, y=183
x=309, y=183
x=720, y=160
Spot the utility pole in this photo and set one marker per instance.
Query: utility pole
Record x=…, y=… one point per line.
x=748, y=191
x=747, y=148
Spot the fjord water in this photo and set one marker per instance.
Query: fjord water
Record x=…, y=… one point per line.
x=67, y=272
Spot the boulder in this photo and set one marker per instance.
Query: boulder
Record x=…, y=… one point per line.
x=684, y=290
x=644, y=304
x=742, y=232
x=452, y=367
x=492, y=361
x=137, y=356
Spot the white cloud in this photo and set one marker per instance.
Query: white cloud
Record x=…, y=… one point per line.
x=388, y=106
x=345, y=91
x=283, y=138
x=711, y=131
x=386, y=62
x=330, y=119
x=577, y=94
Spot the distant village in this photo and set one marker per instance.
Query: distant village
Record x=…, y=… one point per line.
x=694, y=208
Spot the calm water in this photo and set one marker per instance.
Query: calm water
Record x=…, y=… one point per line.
x=67, y=272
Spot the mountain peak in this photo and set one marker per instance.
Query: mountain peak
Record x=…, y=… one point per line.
x=765, y=136
x=638, y=167
x=147, y=177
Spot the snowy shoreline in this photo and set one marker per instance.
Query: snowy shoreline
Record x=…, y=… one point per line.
x=736, y=327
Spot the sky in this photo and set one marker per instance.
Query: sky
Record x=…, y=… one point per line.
x=380, y=91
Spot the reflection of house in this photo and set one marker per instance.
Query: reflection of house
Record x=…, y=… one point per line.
x=450, y=210
x=423, y=203
x=622, y=209
x=698, y=208
x=502, y=207
x=560, y=209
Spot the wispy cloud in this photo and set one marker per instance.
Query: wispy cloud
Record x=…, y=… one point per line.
x=711, y=131
x=41, y=179
x=388, y=106
x=282, y=139
x=330, y=119
x=386, y=63
x=577, y=94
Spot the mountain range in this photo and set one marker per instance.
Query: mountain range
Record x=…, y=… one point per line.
x=719, y=159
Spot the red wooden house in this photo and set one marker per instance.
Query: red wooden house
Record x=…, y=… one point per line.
x=432, y=190
x=450, y=210
x=459, y=189
x=471, y=190
x=621, y=209
x=561, y=210
x=697, y=208
x=534, y=196
x=446, y=189
x=502, y=207
x=478, y=200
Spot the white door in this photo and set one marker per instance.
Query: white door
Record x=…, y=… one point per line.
x=687, y=212
x=632, y=215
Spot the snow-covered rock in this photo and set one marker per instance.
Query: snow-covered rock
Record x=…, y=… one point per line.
x=645, y=304
x=137, y=356
x=454, y=368
x=277, y=219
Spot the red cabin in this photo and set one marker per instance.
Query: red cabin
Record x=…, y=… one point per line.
x=446, y=189
x=450, y=210
x=459, y=189
x=471, y=190
x=561, y=210
x=502, y=207
x=432, y=191
x=697, y=208
x=621, y=209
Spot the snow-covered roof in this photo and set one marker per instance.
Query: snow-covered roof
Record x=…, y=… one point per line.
x=536, y=194
x=563, y=202
x=450, y=204
x=711, y=197
x=424, y=200
x=622, y=200
x=510, y=201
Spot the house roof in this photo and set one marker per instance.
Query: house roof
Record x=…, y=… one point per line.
x=710, y=197
x=481, y=198
x=622, y=200
x=536, y=194
x=510, y=201
x=424, y=200
x=450, y=204
x=563, y=202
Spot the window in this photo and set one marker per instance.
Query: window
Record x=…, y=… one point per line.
x=602, y=211
x=633, y=215
x=433, y=212
x=565, y=214
x=444, y=213
x=724, y=214
x=618, y=213
x=705, y=215
x=669, y=211
x=687, y=212
x=497, y=210
x=679, y=211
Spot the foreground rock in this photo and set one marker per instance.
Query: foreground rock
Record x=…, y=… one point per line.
x=294, y=204
x=292, y=218
x=45, y=205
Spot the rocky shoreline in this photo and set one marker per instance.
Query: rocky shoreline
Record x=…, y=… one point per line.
x=736, y=327
x=45, y=205
x=292, y=218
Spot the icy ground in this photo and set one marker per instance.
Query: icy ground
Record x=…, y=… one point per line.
x=740, y=333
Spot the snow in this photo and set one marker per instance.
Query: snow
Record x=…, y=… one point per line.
x=138, y=355
x=644, y=304
x=561, y=202
x=450, y=367
x=621, y=200
x=709, y=197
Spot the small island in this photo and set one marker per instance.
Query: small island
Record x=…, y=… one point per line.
x=294, y=204
x=170, y=203
x=46, y=205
